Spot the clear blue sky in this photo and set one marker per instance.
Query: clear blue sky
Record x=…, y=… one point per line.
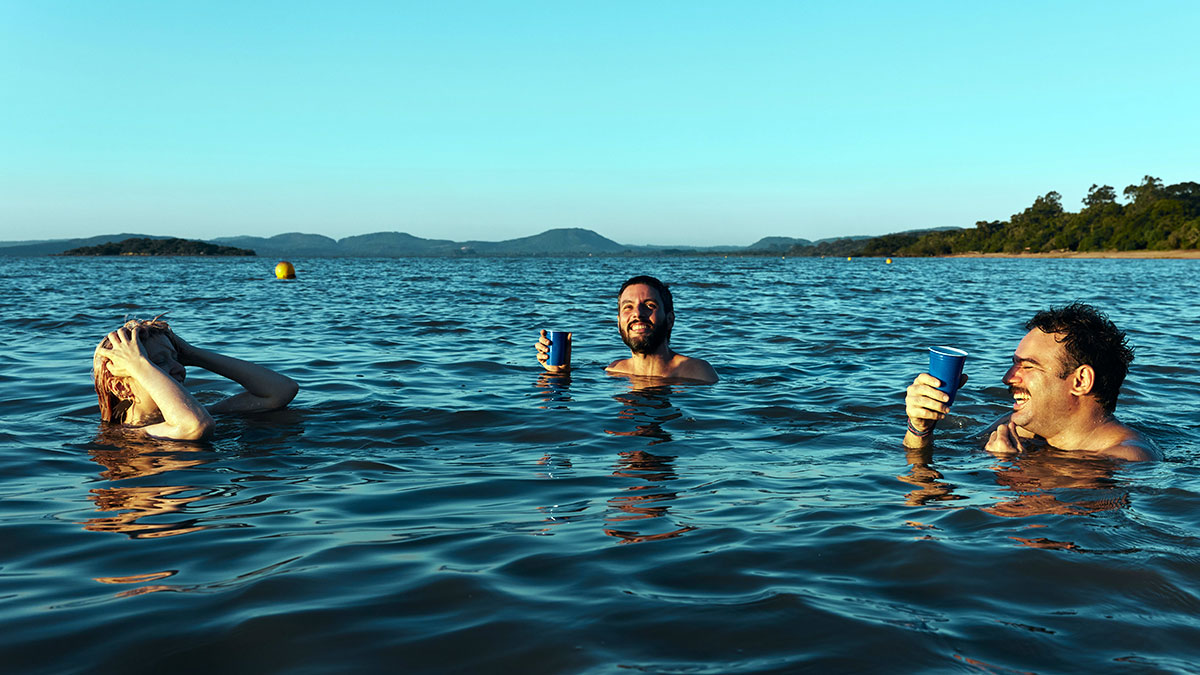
x=683, y=122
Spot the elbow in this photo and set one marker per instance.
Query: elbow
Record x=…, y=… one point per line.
x=283, y=394
x=288, y=392
x=199, y=430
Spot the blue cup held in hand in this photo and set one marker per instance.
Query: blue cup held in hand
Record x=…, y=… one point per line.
x=946, y=364
x=558, y=347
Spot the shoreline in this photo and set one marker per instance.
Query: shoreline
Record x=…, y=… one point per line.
x=1177, y=254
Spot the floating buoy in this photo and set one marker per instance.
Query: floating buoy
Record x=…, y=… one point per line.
x=284, y=270
x=889, y=261
x=847, y=258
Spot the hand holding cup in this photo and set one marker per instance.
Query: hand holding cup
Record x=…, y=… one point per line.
x=554, y=350
x=929, y=397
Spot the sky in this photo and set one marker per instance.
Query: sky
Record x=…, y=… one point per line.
x=695, y=122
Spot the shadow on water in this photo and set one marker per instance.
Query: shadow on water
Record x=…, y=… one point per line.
x=647, y=408
x=126, y=456
x=1040, y=482
x=168, y=507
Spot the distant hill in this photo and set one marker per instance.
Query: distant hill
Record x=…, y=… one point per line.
x=292, y=244
x=54, y=247
x=566, y=241
x=861, y=245
x=394, y=244
x=156, y=247
x=556, y=242
x=1154, y=217
x=779, y=244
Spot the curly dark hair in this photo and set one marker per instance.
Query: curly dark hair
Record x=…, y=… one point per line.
x=1089, y=338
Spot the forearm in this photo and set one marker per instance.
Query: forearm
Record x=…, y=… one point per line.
x=183, y=416
x=274, y=389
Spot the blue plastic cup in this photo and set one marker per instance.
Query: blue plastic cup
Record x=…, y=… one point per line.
x=946, y=364
x=558, y=347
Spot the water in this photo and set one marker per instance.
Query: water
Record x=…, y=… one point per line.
x=431, y=503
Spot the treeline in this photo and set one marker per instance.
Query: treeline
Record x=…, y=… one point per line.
x=1153, y=217
x=143, y=246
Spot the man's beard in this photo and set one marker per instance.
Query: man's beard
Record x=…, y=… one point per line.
x=648, y=342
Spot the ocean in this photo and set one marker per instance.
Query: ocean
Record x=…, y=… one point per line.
x=432, y=502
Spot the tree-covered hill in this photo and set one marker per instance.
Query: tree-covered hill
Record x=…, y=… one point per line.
x=143, y=246
x=1153, y=217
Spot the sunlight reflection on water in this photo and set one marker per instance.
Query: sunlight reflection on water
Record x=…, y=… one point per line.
x=432, y=501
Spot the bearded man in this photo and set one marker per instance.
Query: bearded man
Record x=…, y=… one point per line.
x=645, y=316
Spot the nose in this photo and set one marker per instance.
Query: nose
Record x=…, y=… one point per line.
x=1011, y=376
x=643, y=311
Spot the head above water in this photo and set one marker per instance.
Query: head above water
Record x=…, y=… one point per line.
x=1089, y=338
x=113, y=398
x=645, y=314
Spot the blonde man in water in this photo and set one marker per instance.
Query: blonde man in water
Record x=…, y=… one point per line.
x=1065, y=376
x=645, y=316
x=139, y=369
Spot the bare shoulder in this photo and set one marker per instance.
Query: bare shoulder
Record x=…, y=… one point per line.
x=694, y=369
x=620, y=366
x=1132, y=446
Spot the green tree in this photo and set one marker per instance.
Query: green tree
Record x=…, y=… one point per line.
x=1099, y=195
x=1148, y=191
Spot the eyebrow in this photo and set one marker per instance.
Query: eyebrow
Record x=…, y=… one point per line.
x=1023, y=359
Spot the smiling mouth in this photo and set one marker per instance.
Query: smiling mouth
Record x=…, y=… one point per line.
x=641, y=326
x=1020, y=398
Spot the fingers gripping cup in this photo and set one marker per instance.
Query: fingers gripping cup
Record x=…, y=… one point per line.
x=558, y=347
x=946, y=364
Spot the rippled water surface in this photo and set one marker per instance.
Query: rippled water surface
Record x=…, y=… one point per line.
x=431, y=503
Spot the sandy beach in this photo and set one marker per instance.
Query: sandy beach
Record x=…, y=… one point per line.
x=1177, y=253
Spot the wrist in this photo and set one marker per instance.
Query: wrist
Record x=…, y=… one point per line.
x=138, y=368
x=919, y=433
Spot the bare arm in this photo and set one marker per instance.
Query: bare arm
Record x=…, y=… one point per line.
x=183, y=416
x=265, y=388
x=925, y=404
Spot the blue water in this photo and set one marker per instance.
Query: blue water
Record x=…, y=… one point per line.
x=431, y=503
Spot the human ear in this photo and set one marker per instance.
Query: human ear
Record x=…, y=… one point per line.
x=1083, y=380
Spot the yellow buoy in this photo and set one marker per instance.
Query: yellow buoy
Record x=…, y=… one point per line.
x=847, y=257
x=284, y=270
x=889, y=261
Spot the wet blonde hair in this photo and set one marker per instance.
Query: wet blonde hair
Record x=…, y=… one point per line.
x=112, y=407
